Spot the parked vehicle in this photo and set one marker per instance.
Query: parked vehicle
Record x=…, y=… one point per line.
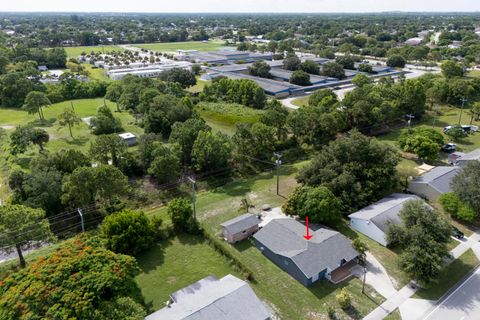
x=469, y=128
x=449, y=147
x=457, y=233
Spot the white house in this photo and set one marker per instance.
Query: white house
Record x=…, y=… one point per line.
x=373, y=221
x=129, y=138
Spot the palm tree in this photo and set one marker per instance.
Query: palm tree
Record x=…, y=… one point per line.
x=69, y=118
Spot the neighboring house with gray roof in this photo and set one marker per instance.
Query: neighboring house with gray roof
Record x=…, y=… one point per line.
x=373, y=220
x=228, y=298
x=240, y=227
x=282, y=241
x=434, y=183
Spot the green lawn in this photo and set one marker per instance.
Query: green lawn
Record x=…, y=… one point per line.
x=449, y=276
x=187, y=45
x=224, y=116
x=74, y=52
x=176, y=263
x=96, y=73
x=199, y=86
x=474, y=74
x=300, y=102
x=395, y=315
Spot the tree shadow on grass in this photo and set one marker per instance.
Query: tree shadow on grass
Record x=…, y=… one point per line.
x=153, y=257
x=243, y=245
x=80, y=141
x=43, y=123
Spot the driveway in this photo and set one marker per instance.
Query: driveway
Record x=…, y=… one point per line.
x=376, y=277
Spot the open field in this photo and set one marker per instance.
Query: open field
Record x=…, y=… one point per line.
x=96, y=73
x=224, y=116
x=176, y=263
x=199, y=86
x=449, y=276
x=187, y=45
x=73, y=52
x=474, y=74
x=300, y=102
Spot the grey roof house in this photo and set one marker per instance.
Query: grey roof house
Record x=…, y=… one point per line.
x=434, y=183
x=465, y=158
x=228, y=298
x=282, y=241
x=373, y=220
x=240, y=227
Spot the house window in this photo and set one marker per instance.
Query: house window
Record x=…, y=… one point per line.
x=286, y=262
x=244, y=231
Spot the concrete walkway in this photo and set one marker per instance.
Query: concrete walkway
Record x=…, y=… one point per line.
x=376, y=277
x=287, y=102
x=414, y=309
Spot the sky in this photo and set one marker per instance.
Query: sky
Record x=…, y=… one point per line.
x=312, y=6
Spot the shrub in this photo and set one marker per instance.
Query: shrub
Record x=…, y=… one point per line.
x=343, y=299
x=129, y=232
x=330, y=311
x=452, y=205
x=181, y=213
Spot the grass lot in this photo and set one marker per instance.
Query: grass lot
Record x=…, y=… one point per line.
x=449, y=276
x=177, y=263
x=395, y=315
x=300, y=102
x=73, y=52
x=287, y=296
x=96, y=73
x=187, y=45
x=474, y=74
x=224, y=116
x=199, y=86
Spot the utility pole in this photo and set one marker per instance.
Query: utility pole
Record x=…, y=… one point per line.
x=435, y=117
x=81, y=219
x=461, y=110
x=278, y=163
x=193, y=182
x=364, y=278
x=410, y=117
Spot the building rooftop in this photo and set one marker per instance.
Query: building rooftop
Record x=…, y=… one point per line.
x=126, y=135
x=228, y=298
x=241, y=223
x=269, y=85
x=385, y=211
x=439, y=178
x=324, y=250
x=474, y=155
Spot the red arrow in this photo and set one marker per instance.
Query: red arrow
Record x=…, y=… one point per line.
x=307, y=236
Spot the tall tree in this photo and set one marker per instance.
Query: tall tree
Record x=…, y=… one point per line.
x=20, y=226
x=69, y=118
x=34, y=102
x=107, y=148
x=466, y=184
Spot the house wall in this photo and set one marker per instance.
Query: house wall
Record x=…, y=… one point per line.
x=369, y=229
x=424, y=190
x=287, y=265
x=239, y=236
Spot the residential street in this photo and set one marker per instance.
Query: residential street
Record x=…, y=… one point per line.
x=462, y=304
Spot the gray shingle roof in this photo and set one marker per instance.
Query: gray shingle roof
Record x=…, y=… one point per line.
x=324, y=250
x=226, y=299
x=240, y=223
x=438, y=178
x=385, y=211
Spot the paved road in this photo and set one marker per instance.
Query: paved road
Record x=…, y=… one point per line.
x=462, y=304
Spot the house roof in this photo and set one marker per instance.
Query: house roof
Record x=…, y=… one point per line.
x=438, y=178
x=241, y=223
x=385, y=211
x=324, y=250
x=228, y=298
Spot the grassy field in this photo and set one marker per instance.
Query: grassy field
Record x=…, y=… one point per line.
x=176, y=263
x=187, y=45
x=300, y=102
x=96, y=73
x=199, y=86
x=73, y=52
x=474, y=74
x=224, y=116
x=449, y=276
